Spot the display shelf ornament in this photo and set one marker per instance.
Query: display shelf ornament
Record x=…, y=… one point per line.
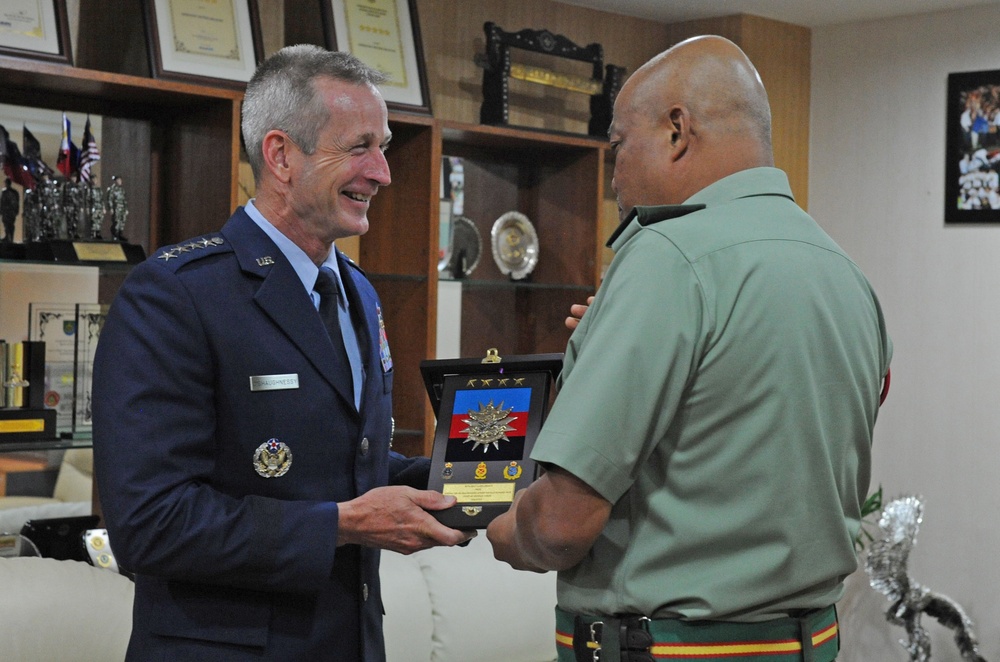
x=886, y=566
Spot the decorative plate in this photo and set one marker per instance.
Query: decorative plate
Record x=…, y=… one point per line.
x=466, y=247
x=515, y=245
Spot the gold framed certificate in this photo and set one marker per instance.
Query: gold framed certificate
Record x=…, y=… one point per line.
x=37, y=29
x=207, y=41
x=385, y=35
x=488, y=417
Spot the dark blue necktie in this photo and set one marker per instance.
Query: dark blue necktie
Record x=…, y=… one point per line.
x=330, y=312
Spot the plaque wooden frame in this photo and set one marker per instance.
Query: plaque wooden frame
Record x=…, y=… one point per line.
x=513, y=393
x=494, y=109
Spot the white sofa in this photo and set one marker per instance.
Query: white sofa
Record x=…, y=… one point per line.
x=71, y=497
x=442, y=605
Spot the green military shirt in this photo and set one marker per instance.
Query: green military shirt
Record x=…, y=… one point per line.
x=721, y=392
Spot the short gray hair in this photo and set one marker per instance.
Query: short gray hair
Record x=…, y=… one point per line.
x=281, y=96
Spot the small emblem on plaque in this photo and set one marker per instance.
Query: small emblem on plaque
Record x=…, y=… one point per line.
x=272, y=459
x=512, y=471
x=448, y=470
x=472, y=511
x=481, y=471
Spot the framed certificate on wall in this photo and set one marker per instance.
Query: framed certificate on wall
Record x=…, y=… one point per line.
x=385, y=35
x=488, y=417
x=215, y=42
x=36, y=29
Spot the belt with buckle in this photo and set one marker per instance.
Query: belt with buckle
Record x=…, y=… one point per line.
x=807, y=636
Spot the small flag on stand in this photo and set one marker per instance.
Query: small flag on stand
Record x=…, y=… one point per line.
x=12, y=161
x=89, y=155
x=65, y=159
x=33, y=155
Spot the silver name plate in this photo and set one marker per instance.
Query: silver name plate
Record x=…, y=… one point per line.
x=274, y=382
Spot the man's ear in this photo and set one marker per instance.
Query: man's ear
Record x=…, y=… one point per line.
x=277, y=148
x=679, y=126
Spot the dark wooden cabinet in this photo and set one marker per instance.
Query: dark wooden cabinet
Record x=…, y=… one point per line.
x=557, y=181
x=178, y=147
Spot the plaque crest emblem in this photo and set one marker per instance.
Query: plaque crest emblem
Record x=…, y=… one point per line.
x=448, y=470
x=489, y=425
x=272, y=459
x=512, y=471
x=472, y=511
x=481, y=471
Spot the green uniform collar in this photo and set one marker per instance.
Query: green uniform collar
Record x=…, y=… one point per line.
x=746, y=183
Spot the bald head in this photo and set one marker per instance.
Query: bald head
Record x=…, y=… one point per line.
x=715, y=80
x=702, y=105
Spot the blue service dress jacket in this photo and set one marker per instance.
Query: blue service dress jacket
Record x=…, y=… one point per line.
x=225, y=433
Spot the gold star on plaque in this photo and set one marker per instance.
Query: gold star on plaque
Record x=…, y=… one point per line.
x=519, y=381
x=503, y=382
x=486, y=382
x=472, y=383
x=488, y=426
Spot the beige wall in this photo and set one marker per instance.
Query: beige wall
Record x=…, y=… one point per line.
x=877, y=171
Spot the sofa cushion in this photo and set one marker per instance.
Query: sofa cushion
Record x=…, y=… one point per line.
x=12, y=519
x=63, y=610
x=407, y=604
x=486, y=611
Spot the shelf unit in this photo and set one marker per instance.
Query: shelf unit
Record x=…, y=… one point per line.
x=556, y=180
x=178, y=145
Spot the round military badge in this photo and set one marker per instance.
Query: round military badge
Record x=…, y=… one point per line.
x=272, y=459
x=512, y=471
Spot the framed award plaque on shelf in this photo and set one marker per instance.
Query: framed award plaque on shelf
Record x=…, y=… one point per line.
x=489, y=412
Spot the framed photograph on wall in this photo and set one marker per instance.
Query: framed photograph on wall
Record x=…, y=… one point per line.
x=215, y=42
x=972, y=182
x=383, y=34
x=36, y=29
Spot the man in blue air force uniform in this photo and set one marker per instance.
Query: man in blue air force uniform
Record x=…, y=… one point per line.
x=242, y=406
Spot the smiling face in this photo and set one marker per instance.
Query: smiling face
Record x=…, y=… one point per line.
x=331, y=189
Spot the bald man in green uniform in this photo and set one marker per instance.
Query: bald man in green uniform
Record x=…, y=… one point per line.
x=710, y=447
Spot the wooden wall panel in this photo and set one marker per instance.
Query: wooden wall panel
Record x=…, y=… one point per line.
x=782, y=53
x=453, y=34
x=452, y=37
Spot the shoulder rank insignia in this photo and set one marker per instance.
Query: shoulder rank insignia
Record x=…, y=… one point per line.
x=272, y=459
x=177, y=250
